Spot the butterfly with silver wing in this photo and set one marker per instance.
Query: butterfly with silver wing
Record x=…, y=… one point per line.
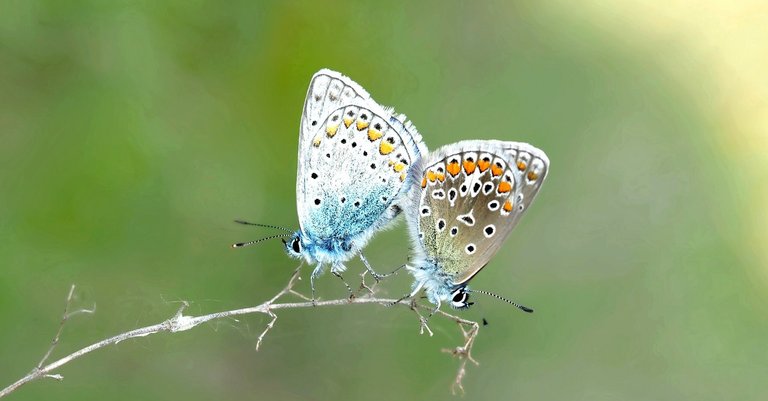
x=354, y=161
x=472, y=194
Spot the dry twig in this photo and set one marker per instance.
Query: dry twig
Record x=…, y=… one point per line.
x=463, y=352
x=180, y=322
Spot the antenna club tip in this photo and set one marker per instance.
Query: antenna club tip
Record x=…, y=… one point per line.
x=238, y=245
x=526, y=309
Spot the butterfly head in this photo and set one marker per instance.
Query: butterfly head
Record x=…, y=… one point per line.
x=437, y=285
x=294, y=246
x=300, y=246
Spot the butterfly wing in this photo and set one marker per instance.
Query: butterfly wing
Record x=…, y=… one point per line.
x=473, y=194
x=354, y=158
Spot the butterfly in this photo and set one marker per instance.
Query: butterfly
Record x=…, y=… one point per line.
x=472, y=194
x=353, y=172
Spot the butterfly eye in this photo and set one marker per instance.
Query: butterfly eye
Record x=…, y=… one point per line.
x=296, y=245
x=459, y=299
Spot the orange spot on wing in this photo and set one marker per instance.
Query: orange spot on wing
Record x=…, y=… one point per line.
x=483, y=165
x=532, y=176
x=504, y=187
x=496, y=170
x=373, y=134
x=424, y=182
x=399, y=167
x=431, y=176
x=508, y=206
x=386, y=148
x=469, y=167
x=453, y=168
x=361, y=125
x=521, y=166
x=440, y=177
x=331, y=130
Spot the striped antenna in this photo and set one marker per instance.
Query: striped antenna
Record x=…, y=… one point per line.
x=261, y=225
x=517, y=305
x=242, y=244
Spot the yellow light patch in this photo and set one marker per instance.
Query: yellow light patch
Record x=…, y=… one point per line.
x=483, y=165
x=316, y=141
x=331, y=130
x=374, y=135
x=361, y=125
x=521, y=166
x=402, y=177
x=508, y=206
x=496, y=170
x=504, y=187
x=469, y=167
x=431, y=176
x=386, y=148
x=347, y=122
x=532, y=176
x=399, y=167
x=453, y=168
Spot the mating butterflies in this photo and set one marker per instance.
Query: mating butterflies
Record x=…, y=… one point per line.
x=353, y=171
x=360, y=165
x=472, y=194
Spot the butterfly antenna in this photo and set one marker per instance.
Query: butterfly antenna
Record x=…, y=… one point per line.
x=515, y=304
x=242, y=244
x=398, y=269
x=262, y=225
x=392, y=272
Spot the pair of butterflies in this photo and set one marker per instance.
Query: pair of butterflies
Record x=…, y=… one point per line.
x=361, y=166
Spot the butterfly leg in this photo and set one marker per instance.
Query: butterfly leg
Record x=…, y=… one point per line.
x=336, y=270
x=376, y=276
x=416, y=288
x=351, y=294
x=437, y=308
x=315, y=274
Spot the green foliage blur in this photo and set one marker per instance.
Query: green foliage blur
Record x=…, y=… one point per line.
x=133, y=133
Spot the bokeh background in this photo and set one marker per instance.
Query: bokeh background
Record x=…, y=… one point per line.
x=132, y=133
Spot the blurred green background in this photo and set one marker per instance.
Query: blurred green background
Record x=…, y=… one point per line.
x=132, y=133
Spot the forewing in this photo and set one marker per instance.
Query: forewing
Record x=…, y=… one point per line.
x=328, y=90
x=473, y=193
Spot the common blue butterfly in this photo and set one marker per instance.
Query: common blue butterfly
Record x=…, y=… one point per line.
x=471, y=196
x=353, y=171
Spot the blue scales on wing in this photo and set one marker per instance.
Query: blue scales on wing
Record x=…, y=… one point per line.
x=355, y=170
x=354, y=159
